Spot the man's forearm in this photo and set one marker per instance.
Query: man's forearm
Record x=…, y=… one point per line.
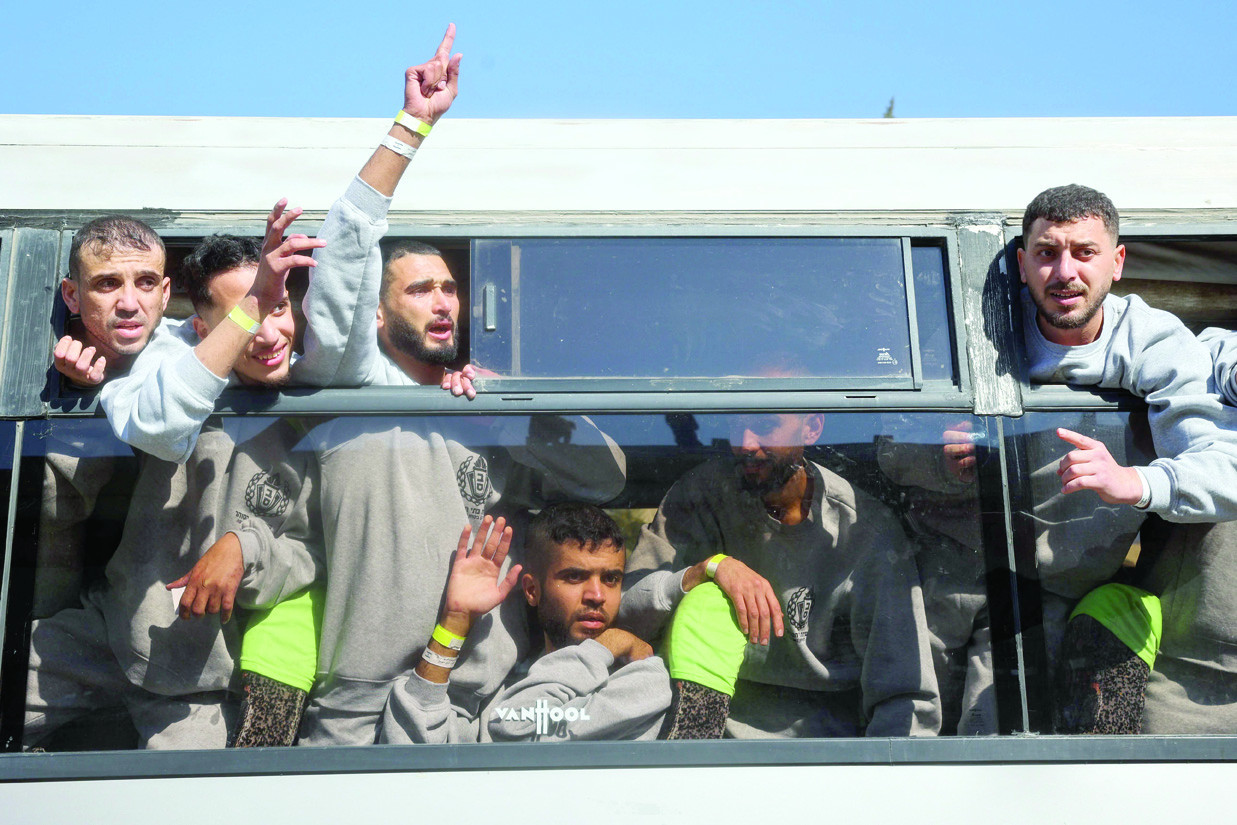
x=385, y=166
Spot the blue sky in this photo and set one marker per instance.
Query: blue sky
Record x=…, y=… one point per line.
x=625, y=59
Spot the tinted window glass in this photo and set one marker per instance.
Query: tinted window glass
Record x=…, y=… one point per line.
x=708, y=307
x=876, y=563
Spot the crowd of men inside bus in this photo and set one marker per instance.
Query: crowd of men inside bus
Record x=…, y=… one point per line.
x=281, y=580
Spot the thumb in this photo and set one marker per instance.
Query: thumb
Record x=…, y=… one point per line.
x=183, y=581
x=513, y=575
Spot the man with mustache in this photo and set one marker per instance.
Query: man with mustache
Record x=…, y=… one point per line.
x=1078, y=333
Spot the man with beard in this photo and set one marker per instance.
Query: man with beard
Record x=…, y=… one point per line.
x=389, y=489
x=1078, y=333
x=772, y=528
x=590, y=680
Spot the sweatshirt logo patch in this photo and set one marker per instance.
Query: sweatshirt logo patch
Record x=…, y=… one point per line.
x=473, y=478
x=267, y=494
x=798, y=607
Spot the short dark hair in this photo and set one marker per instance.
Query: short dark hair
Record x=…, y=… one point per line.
x=402, y=250
x=215, y=255
x=1066, y=204
x=109, y=232
x=571, y=521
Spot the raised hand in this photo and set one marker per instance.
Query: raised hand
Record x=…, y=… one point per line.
x=476, y=585
x=279, y=256
x=1092, y=467
x=430, y=89
x=210, y=587
x=79, y=365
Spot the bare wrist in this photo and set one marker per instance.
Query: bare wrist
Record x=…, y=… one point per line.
x=694, y=575
x=458, y=622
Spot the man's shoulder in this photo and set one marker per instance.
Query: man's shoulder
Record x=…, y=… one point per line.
x=173, y=333
x=1134, y=311
x=860, y=506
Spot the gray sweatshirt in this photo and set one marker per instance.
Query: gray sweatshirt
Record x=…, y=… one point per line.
x=572, y=694
x=1150, y=353
x=1193, y=687
x=394, y=494
x=1223, y=346
x=160, y=404
x=177, y=512
x=855, y=658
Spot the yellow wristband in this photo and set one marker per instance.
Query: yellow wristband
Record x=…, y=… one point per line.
x=238, y=317
x=710, y=568
x=413, y=124
x=446, y=638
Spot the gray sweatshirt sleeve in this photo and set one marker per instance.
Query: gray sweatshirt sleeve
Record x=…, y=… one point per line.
x=419, y=712
x=341, y=341
x=629, y=703
x=1151, y=354
x=1223, y=346
x=283, y=559
x=889, y=630
x=1195, y=434
x=160, y=405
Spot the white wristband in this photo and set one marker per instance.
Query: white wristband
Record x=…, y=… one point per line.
x=1145, y=501
x=399, y=147
x=445, y=662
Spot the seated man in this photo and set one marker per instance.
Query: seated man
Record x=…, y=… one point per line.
x=116, y=291
x=593, y=680
x=589, y=680
x=123, y=646
x=772, y=528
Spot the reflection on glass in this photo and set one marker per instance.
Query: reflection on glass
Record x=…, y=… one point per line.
x=861, y=530
x=704, y=307
x=1138, y=625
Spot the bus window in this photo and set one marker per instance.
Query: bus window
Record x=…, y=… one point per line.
x=700, y=308
x=877, y=561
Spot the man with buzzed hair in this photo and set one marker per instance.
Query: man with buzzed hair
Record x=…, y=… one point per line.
x=122, y=645
x=117, y=290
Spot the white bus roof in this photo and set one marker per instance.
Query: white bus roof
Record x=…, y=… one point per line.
x=242, y=165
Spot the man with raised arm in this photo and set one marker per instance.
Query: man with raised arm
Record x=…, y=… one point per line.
x=772, y=529
x=590, y=680
x=123, y=646
x=390, y=488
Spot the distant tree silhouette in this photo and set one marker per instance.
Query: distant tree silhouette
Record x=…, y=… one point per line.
x=889, y=109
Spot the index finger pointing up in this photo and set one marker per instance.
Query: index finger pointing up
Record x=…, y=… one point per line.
x=444, y=48
x=1077, y=439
